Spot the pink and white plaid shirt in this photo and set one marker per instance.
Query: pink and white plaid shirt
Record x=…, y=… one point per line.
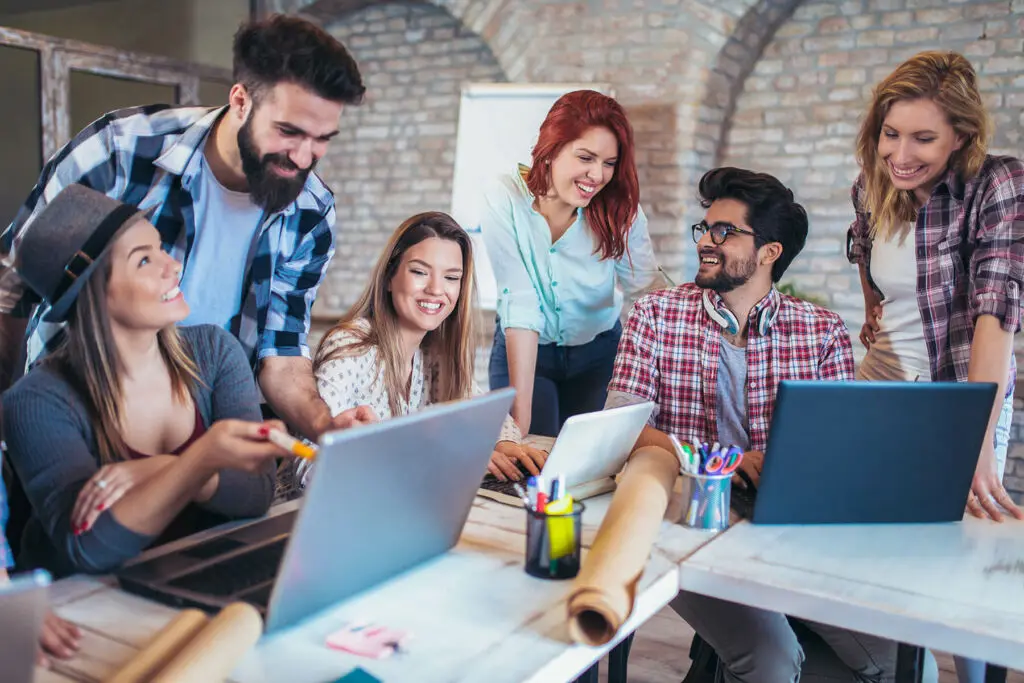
x=669, y=354
x=969, y=242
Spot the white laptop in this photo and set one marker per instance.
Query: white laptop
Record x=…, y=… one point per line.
x=590, y=450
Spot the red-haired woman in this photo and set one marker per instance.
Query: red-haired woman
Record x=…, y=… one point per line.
x=566, y=238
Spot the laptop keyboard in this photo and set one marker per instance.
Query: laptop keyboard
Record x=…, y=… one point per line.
x=231, y=576
x=492, y=484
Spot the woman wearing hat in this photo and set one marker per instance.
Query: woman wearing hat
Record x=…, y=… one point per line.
x=132, y=431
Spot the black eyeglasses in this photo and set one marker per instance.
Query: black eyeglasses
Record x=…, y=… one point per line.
x=719, y=231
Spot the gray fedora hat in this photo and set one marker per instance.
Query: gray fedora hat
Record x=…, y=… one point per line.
x=58, y=252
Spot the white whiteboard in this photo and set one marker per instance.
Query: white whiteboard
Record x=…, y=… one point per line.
x=498, y=124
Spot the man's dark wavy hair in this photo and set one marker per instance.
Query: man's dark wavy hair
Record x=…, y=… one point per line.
x=772, y=212
x=286, y=49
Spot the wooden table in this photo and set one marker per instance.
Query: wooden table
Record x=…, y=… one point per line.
x=474, y=614
x=958, y=587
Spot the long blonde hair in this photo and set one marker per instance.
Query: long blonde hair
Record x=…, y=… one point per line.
x=450, y=346
x=88, y=358
x=949, y=80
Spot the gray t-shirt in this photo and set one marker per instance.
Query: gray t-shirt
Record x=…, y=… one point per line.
x=731, y=403
x=52, y=446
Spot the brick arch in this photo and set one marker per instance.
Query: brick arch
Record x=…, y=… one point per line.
x=727, y=71
x=733, y=63
x=483, y=17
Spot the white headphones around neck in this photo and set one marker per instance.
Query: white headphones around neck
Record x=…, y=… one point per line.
x=727, y=321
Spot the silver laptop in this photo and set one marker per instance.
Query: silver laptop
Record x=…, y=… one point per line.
x=23, y=605
x=384, y=498
x=590, y=450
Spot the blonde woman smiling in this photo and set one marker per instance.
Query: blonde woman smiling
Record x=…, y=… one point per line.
x=409, y=340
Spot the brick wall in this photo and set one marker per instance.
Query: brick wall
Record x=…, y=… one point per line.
x=776, y=85
x=798, y=115
x=677, y=84
x=396, y=153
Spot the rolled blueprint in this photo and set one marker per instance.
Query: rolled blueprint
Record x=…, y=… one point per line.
x=148, y=662
x=603, y=593
x=215, y=651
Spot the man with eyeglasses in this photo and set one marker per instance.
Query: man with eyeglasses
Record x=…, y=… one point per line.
x=711, y=354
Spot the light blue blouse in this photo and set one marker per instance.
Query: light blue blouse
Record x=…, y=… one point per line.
x=562, y=291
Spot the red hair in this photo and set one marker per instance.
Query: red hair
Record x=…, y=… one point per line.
x=612, y=212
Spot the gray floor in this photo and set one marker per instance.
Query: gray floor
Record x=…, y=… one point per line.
x=659, y=653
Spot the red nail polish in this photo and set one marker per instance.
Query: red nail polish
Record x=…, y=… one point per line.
x=264, y=431
x=100, y=507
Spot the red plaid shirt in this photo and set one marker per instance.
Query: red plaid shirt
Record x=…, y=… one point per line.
x=669, y=355
x=970, y=260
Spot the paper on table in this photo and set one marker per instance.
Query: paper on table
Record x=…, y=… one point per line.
x=215, y=651
x=602, y=594
x=145, y=665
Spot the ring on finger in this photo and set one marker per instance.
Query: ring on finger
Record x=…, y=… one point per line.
x=101, y=484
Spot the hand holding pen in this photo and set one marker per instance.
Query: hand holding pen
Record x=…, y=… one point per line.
x=287, y=442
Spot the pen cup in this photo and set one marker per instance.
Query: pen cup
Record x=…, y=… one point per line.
x=706, y=501
x=553, y=543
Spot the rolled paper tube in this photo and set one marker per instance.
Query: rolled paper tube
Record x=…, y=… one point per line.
x=215, y=651
x=145, y=665
x=602, y=595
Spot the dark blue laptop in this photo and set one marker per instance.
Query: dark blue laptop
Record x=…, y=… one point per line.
x=870, y=452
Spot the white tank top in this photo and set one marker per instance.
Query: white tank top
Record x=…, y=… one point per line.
x=899, y=352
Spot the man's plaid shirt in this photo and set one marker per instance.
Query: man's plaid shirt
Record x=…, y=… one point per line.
x=149, y=157
x=669, y=354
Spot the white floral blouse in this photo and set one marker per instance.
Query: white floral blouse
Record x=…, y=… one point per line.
x=355, y=380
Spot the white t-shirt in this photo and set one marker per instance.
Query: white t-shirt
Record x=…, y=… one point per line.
x=899, y=352
x=226, y=223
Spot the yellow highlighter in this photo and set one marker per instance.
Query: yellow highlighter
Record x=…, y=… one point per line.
x=561, y=527
x=291, y=444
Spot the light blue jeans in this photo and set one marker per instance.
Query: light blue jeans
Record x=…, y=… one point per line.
x=973, y=670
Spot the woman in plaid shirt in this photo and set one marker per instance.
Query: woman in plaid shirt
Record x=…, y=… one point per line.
x=939, y=238
x=945, y=303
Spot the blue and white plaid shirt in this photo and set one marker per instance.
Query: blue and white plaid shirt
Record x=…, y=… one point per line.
x=149, y=157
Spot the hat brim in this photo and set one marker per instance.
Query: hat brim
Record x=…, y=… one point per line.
x=61, y=308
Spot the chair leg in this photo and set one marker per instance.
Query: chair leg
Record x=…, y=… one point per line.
x=909, y=663
x=995, y=674
x=618, y=660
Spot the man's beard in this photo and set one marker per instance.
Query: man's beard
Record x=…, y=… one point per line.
x=267, y=189
x=729, y=275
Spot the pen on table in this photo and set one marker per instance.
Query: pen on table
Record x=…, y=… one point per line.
x=290, y=444
x=557, y=488
x=522, y=495
x=531, y=492
x=542, y=495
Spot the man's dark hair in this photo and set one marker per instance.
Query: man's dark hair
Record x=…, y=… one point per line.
x=289, y=49
x=772, y=212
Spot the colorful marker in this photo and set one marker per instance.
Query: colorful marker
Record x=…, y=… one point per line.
x=291, y=444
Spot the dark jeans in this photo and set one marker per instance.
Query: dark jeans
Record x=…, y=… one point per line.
x=569, y=380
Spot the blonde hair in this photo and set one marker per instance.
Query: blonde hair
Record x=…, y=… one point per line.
x=88, y=358
x=947, y=79
x=450, y=346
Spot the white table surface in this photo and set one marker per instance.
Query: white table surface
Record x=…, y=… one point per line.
x=473, y=613
x=956, y=587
